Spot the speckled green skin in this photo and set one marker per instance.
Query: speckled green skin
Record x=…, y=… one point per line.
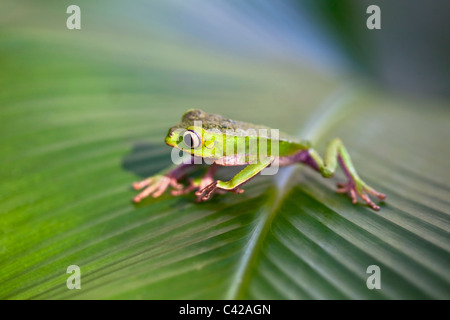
x=222, y=131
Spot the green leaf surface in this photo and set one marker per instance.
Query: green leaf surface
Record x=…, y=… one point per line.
x=83, y=115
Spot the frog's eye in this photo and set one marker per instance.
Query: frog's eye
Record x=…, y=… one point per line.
x=191, y=139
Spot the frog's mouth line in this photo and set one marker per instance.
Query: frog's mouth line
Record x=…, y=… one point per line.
x=213, y=159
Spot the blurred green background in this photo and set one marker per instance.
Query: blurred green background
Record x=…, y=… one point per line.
x=83, y=114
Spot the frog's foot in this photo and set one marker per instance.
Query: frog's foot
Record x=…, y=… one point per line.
x=155, y=186
x=198, y=183
x=192, y=186
x=205, y=193
x=358, y=188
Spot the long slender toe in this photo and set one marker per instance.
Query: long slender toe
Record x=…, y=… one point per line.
x=353, y=196
x=375, y=193
x=141, y=184
x=161, y=188
x=367, y=199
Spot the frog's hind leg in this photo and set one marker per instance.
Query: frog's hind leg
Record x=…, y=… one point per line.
x=335, y=154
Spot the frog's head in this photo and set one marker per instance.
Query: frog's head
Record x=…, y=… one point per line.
x=197, y=134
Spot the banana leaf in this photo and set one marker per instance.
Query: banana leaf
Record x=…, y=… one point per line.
x=83, y=114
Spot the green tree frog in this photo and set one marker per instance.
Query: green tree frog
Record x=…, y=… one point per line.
x=224, y=142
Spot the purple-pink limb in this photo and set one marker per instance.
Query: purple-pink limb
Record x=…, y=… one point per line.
x=354, y=185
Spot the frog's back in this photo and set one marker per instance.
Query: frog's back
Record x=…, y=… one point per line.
x=224, y=125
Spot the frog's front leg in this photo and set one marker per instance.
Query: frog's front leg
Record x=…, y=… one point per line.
x=334, y=154
x=233, y=184
x=158, y=183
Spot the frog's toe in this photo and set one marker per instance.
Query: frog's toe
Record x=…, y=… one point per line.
x=145, y=193
x=181, y=191
x=369, y=201
x=141, y=184
x=154, y=186
x=361, y=190
x=238, y=190
x=205, y=193
x=214, y=187
x=375, y=193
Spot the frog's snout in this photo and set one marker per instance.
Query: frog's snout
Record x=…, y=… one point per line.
x=172, y=137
